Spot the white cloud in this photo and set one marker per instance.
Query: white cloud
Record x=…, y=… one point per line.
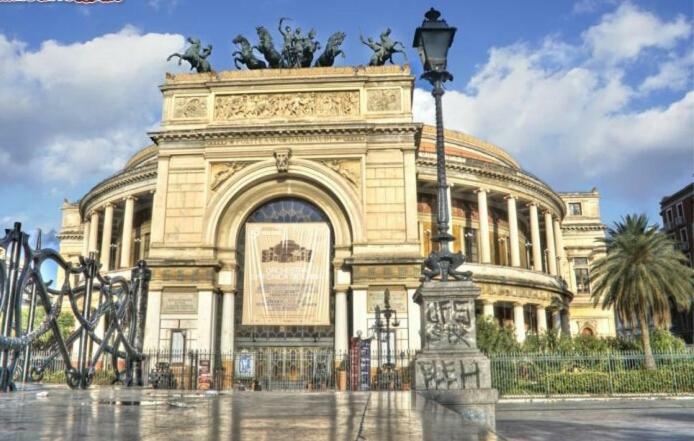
x=674, y=75
x=588, y=6
x=74, y=113
x=625, y=33
x=576, y=121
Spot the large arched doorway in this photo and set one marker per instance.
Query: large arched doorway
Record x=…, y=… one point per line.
x=284, y=353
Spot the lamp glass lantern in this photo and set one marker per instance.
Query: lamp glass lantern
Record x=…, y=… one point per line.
x=432, y=41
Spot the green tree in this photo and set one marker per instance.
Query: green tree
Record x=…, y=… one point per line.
x=66, y=324
x=640, y=276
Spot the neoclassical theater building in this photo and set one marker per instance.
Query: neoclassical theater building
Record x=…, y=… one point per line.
x=276, y=206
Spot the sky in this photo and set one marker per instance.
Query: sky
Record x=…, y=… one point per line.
x=584, y=94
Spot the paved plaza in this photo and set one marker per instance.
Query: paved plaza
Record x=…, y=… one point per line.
x=113, y=414
x=120, y=414
x=598, y=420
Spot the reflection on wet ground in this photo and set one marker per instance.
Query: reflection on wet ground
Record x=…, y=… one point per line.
x=121, y=414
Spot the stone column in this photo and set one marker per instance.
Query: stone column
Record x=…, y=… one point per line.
x=541, y=319
x=488, y=309
x=152, y=328
x=228, y=322
x=127, y=232
x=85, y=238
x=359, y=326
x=513, y=231
x=556, y=319
x=535, y=238
x=105, y=257
x=562, y=269
x=485, y=247
x=551, y=249
x=206, y=315
x=341, y=331
x=94, y=232
x=519, y=321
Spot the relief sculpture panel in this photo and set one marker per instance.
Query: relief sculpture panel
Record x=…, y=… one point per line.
x=384, y=100
x=190, y=107
x=286, y=105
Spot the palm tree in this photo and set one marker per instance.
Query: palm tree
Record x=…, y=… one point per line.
x=640, y=276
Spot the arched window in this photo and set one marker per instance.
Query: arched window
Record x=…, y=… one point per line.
x=283, y=210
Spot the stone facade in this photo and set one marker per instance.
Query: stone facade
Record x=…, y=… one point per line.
x=342, y=139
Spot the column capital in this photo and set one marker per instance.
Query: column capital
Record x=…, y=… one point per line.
x=227, y=291
x=510, y=196
x=132, y=197
x=108, y=204
x=533, y=204
x=518, y=303
x=481, y=190
x=488, y=301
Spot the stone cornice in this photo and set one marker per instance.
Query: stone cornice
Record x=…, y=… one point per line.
x=70, y=235
x=273, y=76
x=498, y=173
x=285, y=130
x=119, y=180
x=584, y=227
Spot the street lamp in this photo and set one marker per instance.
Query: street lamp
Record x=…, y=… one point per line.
x=386, y=327
x=432, y=41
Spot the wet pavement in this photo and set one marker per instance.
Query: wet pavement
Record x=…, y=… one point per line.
x=650, y=419
x=122, y=414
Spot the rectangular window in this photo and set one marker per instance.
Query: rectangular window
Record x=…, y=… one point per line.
x=668, y=215
x=178, y=345
x=575, y=209
x=580, y=261
x=683, y=235
x=471, y=245
x=582, y=280
x=680, y=210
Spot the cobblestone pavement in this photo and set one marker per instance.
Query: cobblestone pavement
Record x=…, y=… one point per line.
x=120, y=414
x=598, y=420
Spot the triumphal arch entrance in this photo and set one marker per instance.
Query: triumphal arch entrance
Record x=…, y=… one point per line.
x=285, y=206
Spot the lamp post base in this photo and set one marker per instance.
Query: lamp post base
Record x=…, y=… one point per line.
x=450, y=369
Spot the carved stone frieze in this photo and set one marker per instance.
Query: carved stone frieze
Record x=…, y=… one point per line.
x=286, y=105
x=384, y=100
x=223, y=171
x=190, y=107
x=348, y=169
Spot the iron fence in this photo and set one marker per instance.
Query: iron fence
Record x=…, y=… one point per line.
x=610, y=374
x=301, y=369
x=274, y=369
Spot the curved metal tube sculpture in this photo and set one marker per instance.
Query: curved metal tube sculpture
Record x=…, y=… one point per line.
x=121, y=306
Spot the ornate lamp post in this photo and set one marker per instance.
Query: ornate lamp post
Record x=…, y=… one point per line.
x=432, y=41
x=386, y=327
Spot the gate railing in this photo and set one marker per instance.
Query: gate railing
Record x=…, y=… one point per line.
x=265, y=370
x=120, y=311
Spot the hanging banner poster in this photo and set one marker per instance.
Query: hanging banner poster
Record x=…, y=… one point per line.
x=287, y=274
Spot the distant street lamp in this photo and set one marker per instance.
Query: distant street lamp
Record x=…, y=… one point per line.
x=432, y=41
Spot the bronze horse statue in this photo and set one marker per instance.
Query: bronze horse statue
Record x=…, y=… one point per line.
x=193, y=55
x=245, y=55
x=267, y=48
x=332, y=50
x=383, y=50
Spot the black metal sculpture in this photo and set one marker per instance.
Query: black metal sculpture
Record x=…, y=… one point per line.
x=383, y=50
x=121, y=308
x=298, y=50
x=195, y=55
